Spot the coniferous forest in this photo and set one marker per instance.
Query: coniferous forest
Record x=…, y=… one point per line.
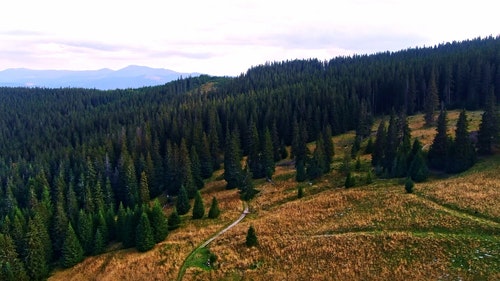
x=80, y=168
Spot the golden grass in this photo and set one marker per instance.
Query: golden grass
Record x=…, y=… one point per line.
x=374, y=232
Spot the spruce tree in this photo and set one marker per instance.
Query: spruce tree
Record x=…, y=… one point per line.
x=182, y=202
x=85, y=230
x=379, y=146
x=329, y=147
x=99, y=243
x=300, y=191
x=350, y=181
x=9, y=256
x=431, y=100
x=232, y=162
x=72, y=251
x=251, y=239
x=144, y=189
x=158, y=222
x=301, y=174
x=144, y=240
x=489, y=129
x=267, y=156
x=196, y=169
x=409, y=185
x=214, y=211
x=418, y=168
x=463, y=154
x=174, y=220
x=35, y=256
x=198, y=208
x=438, y=152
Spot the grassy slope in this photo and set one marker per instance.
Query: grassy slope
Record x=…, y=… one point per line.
x=447, y=230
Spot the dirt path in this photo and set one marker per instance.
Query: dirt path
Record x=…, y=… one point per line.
x=204, y=244
x=457, y=213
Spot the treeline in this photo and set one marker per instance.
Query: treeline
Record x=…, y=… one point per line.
x=83, y=150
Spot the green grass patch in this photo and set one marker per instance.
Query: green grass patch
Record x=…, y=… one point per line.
x=201, y=258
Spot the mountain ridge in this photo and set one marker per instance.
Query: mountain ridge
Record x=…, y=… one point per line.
x=132, y=76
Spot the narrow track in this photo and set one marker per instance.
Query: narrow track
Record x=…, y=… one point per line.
x=204, y=244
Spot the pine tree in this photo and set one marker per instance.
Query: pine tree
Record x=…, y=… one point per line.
x=301, y=174
x=144, y=189
x=85, y=230
x=463, y=154
x=350, y=181
x=186, y=173
x=329, y=147
x=144, y=240
x=267, y=155
x=232, y=162
x=182, y=203
x=489, y=129
x=251, y=239
x=418, y=168
x=99, y=244
x=247, y=189
x=300, y=191
x=198, y=208
x=72, y=252
x=9, y=256
x=196, y=169
x=58, y=229
x=409, y=185
x=431, y=100
x=391, y=146
x=35, y=256
x=214, y=211
x=206, y=165
x=158, y=222
x=438, y=152
x=379, y=146
x=174, y=220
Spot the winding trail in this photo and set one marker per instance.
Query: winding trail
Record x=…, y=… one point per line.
x=204, y=244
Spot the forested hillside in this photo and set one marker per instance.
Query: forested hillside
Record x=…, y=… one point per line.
x=73, y=159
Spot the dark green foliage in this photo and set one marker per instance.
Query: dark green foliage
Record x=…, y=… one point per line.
x=182, y=202
x=251, y=239
x=158, y=222
x=247, y=189
x=198, y=208
x=369, y=146
x=355, y=147
x=357, y=166
x=72, y=251
x=462, y=154
x=35, y=257
x=68, y=149
x=174, y=220
x=379, y=146
x=438, y=152
x=196, y=169
x=301, y=174
x=144, y=189
x=431, y=100
x=369, y=177
x=489, y=129
x=99, y=243
x=300, y=191
x=418, y=168
x=232, y=162
x=409, y=185
x=350, y=181
x=214, y=211
x=12, y=266
x=144, y=240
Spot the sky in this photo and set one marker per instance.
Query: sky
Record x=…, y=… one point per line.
x=226, y=37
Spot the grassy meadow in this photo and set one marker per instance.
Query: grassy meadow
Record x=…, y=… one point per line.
x=448, y=229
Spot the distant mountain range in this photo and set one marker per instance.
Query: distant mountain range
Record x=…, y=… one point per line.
x=105, y=79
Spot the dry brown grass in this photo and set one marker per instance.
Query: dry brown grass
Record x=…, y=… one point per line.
x=375, y=232
x=164, y=261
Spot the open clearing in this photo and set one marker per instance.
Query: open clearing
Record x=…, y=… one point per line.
x=449, y=229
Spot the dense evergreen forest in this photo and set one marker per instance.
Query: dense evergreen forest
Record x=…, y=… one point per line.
x=72, y=160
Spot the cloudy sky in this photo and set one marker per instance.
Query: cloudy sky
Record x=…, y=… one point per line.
x=225, y=37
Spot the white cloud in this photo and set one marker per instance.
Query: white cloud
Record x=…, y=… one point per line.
x=227, y=36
